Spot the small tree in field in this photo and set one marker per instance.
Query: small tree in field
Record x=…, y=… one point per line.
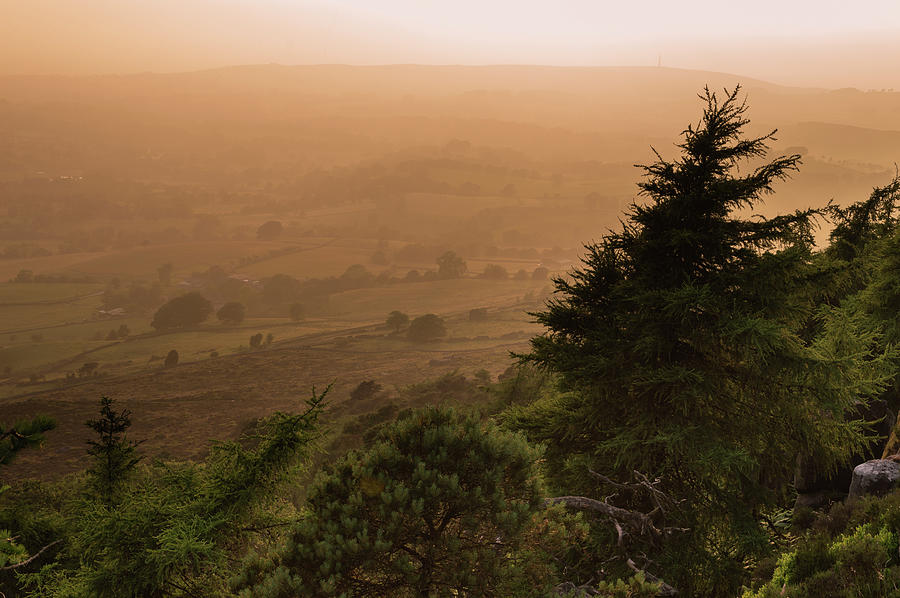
x=183, y=311
x=438, y=503
x=232, y=313
x=171, y=359
x=256, y=340
x=451, y=265
x=297, y=312
x=114, y=455
x=495, y=272
x=365, y=390
x=429, y=327
x=397, y=320
x=269, y=231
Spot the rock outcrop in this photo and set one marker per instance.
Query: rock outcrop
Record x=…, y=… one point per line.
x=876, y=477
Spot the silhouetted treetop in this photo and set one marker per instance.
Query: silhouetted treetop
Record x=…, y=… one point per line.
x=688, y=230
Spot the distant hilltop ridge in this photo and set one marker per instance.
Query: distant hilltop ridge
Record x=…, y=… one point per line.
x=410, y=78
x=552, y=113
x=580, y=98
x=448, y=78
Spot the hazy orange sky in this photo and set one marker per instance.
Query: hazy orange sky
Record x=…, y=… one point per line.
x=827, y=43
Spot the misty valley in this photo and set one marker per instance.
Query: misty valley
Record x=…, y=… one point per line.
x=448, y=331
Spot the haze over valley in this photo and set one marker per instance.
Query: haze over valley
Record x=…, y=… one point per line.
x=613, y=287
x=106, y=179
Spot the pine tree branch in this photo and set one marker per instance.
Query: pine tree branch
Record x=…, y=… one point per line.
x=31, y=558
x=664, y=588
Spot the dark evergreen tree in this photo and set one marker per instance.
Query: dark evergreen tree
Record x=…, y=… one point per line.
x=181, y=528
x=434, y=508
x=114, y=456
x=677, y=341
x=863, y=222
x=864, y=255
x=14, y=438
x=22, y=434
x=855, y=245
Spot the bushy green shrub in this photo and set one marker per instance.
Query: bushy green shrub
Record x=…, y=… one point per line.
x=176, y=528
x=851, y=551
x=636, y=586
x=437, y=504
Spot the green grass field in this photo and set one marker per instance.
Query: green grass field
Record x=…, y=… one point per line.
x=31, y=356
x=50, y=330
x=320, y=262
x=43, y=291
x=142, y=262
x=51, y=264
x=439, y=297
x=61, y=350
x=28, y=317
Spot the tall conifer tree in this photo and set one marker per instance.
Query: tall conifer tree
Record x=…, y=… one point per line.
x=677, y=340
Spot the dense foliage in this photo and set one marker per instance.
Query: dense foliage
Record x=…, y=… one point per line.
x=679, y=342
x=14, y=438
x=185, y=310
x=426, y=328
x=432, y=509
x=172, y=529
x=20, y=435
x=232, y=312
x=850, y=551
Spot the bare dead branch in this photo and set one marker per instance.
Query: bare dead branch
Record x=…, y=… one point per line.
x=606, y=480
x=641, y=523
x=584, y=503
